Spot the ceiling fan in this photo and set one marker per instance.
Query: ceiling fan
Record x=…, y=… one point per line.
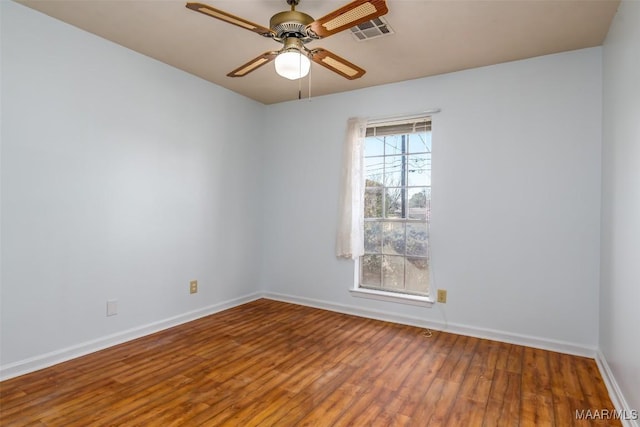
x=295, y=29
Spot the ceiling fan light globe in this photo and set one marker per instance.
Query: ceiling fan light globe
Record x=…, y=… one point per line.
x=292, y=65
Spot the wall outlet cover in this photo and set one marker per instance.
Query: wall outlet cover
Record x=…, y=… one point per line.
x=442, y=296
x=112, y=307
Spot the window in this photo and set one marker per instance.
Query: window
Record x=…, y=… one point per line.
x=397, y=207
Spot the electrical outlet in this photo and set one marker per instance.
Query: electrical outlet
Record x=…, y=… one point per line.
x=112, y=307
x=193, y=287
x=442, y=296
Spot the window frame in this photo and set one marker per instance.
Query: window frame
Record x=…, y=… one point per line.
x=396, y=295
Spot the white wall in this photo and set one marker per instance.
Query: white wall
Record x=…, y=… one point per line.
x=620, y=291
x=516, y=197
x=122, y=178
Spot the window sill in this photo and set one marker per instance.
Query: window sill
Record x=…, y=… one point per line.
x=392, y=297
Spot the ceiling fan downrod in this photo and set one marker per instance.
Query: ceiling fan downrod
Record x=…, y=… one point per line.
x=293, y=3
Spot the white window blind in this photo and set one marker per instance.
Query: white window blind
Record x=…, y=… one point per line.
x=399, y=127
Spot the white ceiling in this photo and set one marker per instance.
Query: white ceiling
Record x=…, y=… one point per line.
x=431, y=37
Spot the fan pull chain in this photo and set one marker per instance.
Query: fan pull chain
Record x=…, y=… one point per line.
x=309, y=80
x=300, y=71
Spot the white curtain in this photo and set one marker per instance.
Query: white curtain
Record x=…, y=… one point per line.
x=350, y=237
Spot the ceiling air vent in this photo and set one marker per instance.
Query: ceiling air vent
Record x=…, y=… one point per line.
x=377, y=27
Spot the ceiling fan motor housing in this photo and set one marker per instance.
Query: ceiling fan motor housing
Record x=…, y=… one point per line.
x=291, y=23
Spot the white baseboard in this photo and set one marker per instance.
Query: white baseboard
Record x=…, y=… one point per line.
x=32, y=364
x=617, y=398
x=491, y=334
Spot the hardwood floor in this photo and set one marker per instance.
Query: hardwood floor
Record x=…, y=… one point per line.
x=269, y=363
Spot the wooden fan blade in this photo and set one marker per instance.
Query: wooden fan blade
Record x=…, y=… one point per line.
x=231, y=19
x=254, y=64
x=354, y=13
x=336, y=64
